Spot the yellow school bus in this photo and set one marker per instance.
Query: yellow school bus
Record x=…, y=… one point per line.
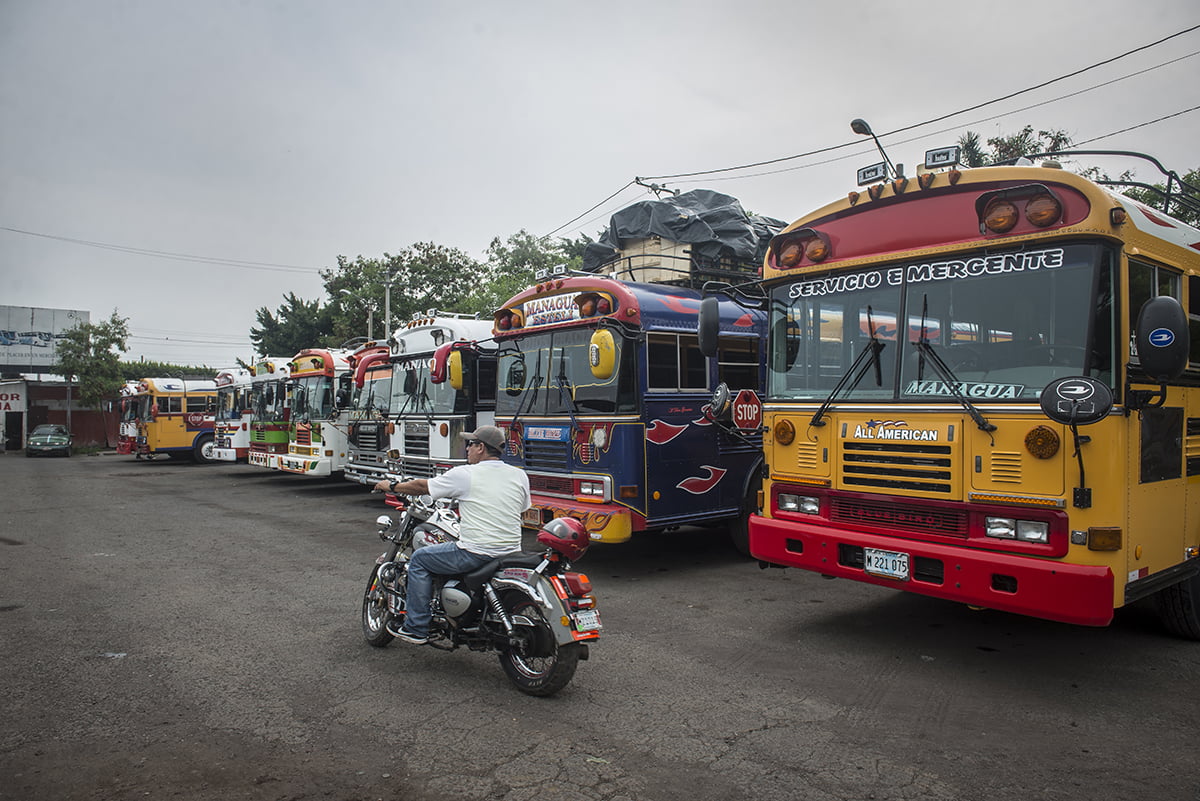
x=173, y=416
x=979, y=389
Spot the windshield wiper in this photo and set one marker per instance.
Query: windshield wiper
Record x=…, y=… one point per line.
x=857, y=369
x=926, y=352
x=564, y=390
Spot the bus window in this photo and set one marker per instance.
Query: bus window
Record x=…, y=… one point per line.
x=1193, y=295
x=196, y=403
x=1147, y=281
x=169, y=404
x=675, y=363
x=737, y=362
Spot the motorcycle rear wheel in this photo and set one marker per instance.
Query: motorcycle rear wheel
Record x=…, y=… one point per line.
x=539, y=666
x=375, y=614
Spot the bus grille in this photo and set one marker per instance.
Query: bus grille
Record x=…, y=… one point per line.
x=896, y=515
x=547, y=454
x=924, y=468
x=367, y=436
x=304, y=435
x=416, y=439
x=551, y=485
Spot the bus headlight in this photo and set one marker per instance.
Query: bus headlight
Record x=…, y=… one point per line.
x=1008, y=528
x=804, y=504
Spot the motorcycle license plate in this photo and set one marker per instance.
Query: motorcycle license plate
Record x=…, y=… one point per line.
x=888, y=564
x=532, y=517
x=587, y=620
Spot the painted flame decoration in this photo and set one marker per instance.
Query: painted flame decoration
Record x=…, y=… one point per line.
x=697, y=485
x=662, y=432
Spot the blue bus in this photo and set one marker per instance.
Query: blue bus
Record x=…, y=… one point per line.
x=604, y=396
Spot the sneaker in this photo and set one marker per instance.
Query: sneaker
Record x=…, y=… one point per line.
x=397, y=630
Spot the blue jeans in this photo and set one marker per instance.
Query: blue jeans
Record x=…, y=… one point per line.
x=443, y=559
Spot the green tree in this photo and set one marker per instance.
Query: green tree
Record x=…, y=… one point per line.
x=90, y=355
x=1187, y=209
x=1004, y=148
x=511, y=266
x=423, y=276
x=132, y=371
x=297, y=324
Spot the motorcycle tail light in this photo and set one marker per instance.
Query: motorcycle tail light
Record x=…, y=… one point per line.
x=578, y=583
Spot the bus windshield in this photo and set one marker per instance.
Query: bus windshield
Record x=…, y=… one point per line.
x=269, y=400
x=313, y=397
x=548, y=373
x=414, y=393
x=374, y=397
x=1006, y=324
x=230, y=401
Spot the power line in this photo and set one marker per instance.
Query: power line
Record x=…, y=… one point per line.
x=161, y=254
x=1135, y=127
x=925, y=122
x=589, y=211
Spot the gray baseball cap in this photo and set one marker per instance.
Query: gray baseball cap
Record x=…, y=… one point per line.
x=489, y=435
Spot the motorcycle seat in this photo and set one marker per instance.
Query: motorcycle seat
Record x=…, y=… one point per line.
x=479, y=576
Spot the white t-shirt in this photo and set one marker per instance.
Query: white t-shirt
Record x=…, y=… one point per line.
x=491, y=497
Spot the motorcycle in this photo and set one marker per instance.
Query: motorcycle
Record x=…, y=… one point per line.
x=530, y=608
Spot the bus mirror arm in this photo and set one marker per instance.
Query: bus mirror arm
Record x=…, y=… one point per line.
x=1082, y=495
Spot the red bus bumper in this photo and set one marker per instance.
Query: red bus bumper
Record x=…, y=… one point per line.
x=1053, y=590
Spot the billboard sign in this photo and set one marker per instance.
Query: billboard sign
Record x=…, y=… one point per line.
x=29, y=336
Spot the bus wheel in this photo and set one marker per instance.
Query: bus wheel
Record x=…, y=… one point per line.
x=739, y=527
x=204, y=449
x=1179, y=607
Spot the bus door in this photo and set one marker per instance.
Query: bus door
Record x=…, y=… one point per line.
x=1157, y=478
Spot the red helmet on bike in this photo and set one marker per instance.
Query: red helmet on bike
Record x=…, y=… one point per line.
x=565, y=535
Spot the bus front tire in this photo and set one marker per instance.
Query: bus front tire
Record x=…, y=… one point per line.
x=204, y=449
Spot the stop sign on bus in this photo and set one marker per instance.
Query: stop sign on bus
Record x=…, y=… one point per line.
x=746, y=410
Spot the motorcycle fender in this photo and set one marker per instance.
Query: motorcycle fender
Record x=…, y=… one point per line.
x=543, y=595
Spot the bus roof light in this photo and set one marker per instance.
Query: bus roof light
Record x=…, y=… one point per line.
x=1000, y=217
x=1043, y=210
x=791, y=248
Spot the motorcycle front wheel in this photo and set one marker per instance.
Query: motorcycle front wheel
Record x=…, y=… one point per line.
x=537, y=665
x=375, y=614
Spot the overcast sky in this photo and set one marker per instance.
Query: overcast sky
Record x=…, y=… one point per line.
x=267, y=138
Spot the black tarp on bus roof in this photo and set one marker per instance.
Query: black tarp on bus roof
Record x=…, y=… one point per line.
x=714, y=224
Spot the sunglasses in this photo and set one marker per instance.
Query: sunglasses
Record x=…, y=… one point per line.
x=471, y=442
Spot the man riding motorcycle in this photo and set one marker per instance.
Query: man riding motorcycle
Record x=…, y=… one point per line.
x=491, y=496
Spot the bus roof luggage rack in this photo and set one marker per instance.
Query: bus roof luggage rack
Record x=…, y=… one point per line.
x=683, y=239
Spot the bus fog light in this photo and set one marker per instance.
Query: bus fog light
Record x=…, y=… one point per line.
x=1033, y=531
x=1004, y=528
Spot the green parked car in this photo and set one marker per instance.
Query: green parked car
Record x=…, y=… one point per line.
x=48, y=440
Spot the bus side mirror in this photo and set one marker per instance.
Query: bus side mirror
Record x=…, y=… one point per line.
x=454, y=369
x=602, y=354
x=1076, y=401
x=342, y=399
x=708, y=326
x=1162, y=338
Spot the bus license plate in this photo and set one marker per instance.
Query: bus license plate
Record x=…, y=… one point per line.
x=888, y=564
x=587, y=620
